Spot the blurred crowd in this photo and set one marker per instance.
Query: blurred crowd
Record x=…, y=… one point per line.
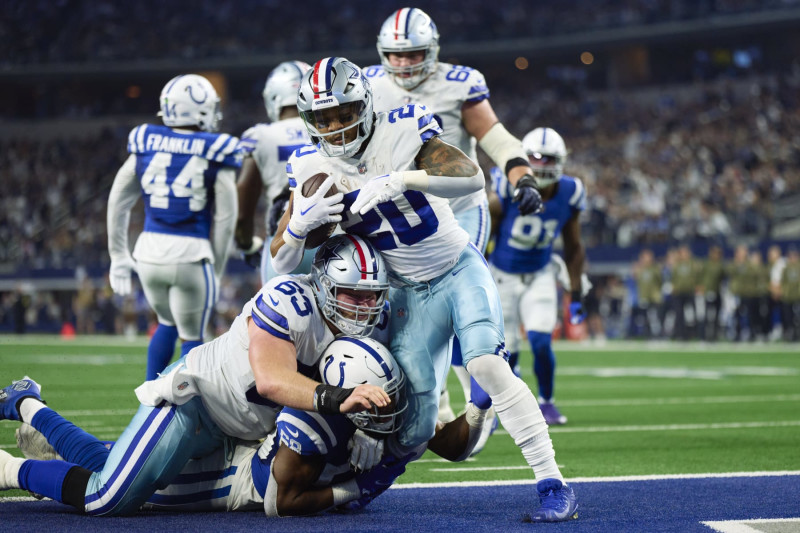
x=62, y=31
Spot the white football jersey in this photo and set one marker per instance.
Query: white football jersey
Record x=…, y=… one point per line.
x=416, y=232
x=285, y=308
x=444, y=93
x=274, y=143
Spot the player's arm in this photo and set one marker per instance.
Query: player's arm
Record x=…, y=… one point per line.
x=444, y=170
x=294, y=476
x=574, y=252
x=225, y=206
x=274, y=364
x=505, y=150
x=455, y=440
x=285, y=253
x=123, y=196
x=248, y=191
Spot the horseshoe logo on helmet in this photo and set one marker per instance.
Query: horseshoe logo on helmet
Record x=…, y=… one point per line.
x=191, y=94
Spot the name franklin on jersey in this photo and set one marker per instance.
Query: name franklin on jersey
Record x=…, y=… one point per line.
x=175, y=145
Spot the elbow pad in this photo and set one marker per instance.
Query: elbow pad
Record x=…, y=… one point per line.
x=503, y=148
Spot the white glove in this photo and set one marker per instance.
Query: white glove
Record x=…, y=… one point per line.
x=311, y=213
x=365, y=451
x=119, y=275
x=377, y=190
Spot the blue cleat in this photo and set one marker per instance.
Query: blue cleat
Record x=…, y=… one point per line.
x=11, y=396
x=558, y=502
x=551, y=414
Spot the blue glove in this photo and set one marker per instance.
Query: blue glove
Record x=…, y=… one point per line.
x=374, y=482
x=576, y=311
x=276, y=211
x=529, y=199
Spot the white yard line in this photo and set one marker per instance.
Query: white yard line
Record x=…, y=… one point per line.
x=741, y=526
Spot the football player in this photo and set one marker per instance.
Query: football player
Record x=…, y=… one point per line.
x=231, y=387
x=458, y=98
x=394, y=175
x=301, y=468
x=522, y=264
x=266, y=169
x=185, y=173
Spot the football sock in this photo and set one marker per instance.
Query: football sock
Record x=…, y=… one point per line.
x=519, y=413
x=186, y=346
x=45, y=478
x=160, y=350
x=544, y=362
x=71, y=442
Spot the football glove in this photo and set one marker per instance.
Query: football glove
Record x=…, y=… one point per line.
x=576, y=311
x=252, y=256
x=311, y=213
x=119, y=275
x=276, y=211
x=377, y=190
x=529, y=199
x=374, y=482
x=365, y=451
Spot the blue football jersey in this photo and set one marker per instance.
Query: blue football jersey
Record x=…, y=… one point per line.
x=177, y=172
x=308, y=433
x=525, y=243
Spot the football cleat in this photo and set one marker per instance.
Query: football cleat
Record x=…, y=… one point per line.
x=558, y=502
x=552, y=415
x=11, y=396
x=34, y=445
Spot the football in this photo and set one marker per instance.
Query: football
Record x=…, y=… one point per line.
x=319, y=235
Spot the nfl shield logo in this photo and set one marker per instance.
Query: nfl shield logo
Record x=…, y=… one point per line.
x=362, y=168
x=401, y=312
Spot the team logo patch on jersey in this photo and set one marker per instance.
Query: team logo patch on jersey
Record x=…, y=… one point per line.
x=183, y=385
x=401, y=312
x=362, y=168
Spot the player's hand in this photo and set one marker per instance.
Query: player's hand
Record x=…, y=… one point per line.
x=529, y=199
x=276, y=211
x=365, y=451
x=377, y=190
x=577, y=312
x=119, y=275
x=374, y=482
x=252, y=255
x=311, y=213
x=365, y=397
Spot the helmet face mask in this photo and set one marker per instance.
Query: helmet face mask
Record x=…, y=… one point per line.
x=350, y=283
x=281, y=87
x=335, y=102
x=409, y=30
x=190, y=100
x=350, y=361
x=546, y=153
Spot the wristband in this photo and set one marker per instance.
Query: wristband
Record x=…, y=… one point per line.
x=525, y=180
x=328, y=398
x=575, y=296
x=345, y=492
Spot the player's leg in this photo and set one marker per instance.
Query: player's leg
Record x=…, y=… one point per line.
x=191, y=298
x=420, y=328
x=483, y=347
x=221, y=481
x=538, y=307
x=156, y=280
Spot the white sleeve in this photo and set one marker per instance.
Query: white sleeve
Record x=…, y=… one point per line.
x=123, y=196
x=225, y=211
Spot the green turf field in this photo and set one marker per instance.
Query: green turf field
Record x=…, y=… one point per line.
x=633, y=408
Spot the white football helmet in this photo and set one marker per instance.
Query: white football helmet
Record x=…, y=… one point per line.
x=547, y=154
x=406, y=30
x=190, y=100
x=281, y=88
x=336, y=87
x=349, y=262
x=350, y=361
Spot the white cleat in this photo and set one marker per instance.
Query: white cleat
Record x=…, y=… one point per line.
x=34, y=445
x=9, y=470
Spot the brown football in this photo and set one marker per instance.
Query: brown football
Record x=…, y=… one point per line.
x=319, y=235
